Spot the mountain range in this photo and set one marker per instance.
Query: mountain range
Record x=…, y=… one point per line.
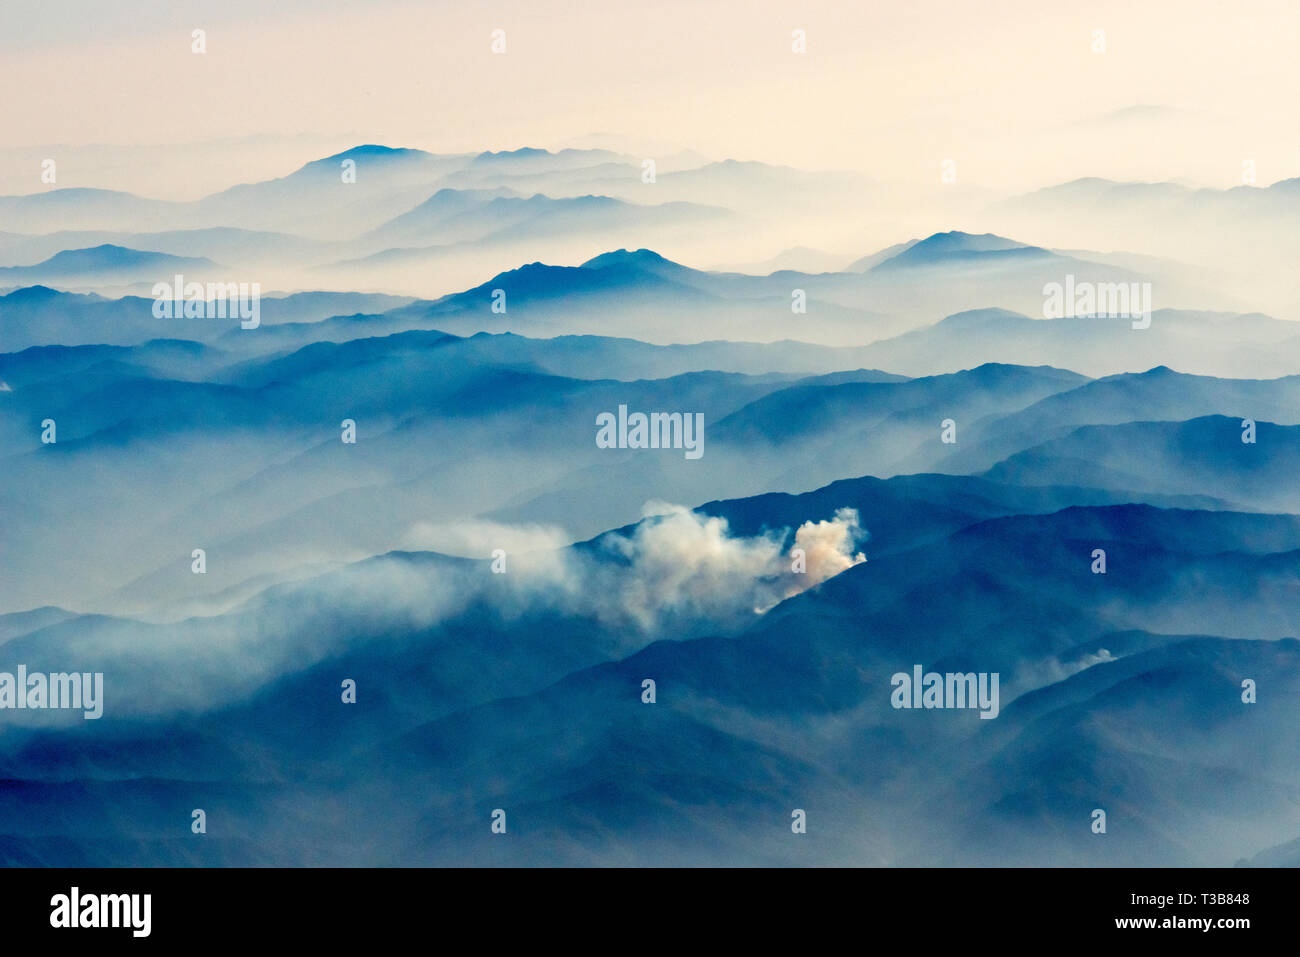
x=395, y=560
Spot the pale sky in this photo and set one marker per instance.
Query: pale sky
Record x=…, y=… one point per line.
x=1012, y=91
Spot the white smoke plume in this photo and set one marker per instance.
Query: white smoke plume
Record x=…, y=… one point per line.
x=678, y=563
x=674, y=574
x=829, y=547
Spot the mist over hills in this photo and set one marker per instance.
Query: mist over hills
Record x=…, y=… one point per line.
x=750, y=715
x=420, y=470
x=641, y=294
x=1247, y=232
x=438, y=415
x=426, y=225
x=107, y=265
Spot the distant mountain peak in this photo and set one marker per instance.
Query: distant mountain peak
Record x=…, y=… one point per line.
x=366, y=151
x=108, y=254
x=1155, y=372
x=1088, y=181
x=27, y=294
x=627, y=257
x=523, y=151
x=979, y=242
x=957, y=245
x=372, y=149
x=102, y=248
x=991, y=314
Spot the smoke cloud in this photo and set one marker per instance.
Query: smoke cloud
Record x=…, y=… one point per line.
x=674, y=574
x=678, y=563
